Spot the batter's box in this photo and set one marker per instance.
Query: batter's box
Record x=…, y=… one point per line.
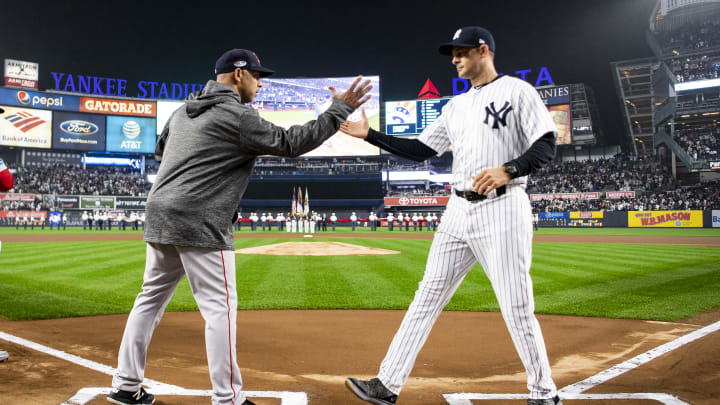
x=469, y=398
x=86, y=395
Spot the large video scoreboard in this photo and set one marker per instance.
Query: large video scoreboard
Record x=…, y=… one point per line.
x=413, y=116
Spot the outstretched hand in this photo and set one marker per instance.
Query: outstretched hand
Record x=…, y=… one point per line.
x=358, y=129
x=355, y=95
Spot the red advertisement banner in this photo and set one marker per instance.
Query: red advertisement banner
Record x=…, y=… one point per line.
x=11, y=81
x=565, y=196
x=17, y=197
x=23, y=214
x=415, y=201
x=117, y=107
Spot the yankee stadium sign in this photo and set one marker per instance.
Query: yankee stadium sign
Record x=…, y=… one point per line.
x=115, y=86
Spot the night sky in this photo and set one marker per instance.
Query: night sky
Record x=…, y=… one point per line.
x=398, y=40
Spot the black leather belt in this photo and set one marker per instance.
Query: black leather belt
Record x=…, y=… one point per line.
x=473, y=196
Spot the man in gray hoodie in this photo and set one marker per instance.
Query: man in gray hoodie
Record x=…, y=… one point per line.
x=207, y=152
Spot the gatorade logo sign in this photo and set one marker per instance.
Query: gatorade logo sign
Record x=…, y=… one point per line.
x=117, y=107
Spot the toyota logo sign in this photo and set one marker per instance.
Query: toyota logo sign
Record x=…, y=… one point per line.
x=404, y=201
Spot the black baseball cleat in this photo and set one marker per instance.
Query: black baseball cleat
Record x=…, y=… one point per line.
x=139, y=397
x=548, y=401
x=372, y=391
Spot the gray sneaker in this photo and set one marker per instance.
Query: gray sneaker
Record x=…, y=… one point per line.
x=372, y=391
x=548, y=401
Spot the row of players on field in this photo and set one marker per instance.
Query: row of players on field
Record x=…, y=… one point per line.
x=100, y=220
x=313, y=221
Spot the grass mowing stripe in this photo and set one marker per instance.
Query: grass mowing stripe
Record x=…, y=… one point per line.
x=583, y=279
x=585, y=300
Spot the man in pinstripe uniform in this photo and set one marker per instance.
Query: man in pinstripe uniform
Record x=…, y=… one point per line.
x=500, y=131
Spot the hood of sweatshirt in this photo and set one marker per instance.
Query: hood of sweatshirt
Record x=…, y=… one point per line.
x=212, y=94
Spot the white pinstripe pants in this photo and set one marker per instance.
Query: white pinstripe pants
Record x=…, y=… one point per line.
x=211, y=274
x=498, y=234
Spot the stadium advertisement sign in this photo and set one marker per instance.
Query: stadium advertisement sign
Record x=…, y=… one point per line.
x=616, y=195
x=67, y=202
x=21, y=73
x=91, y=202
x=23, y=214
x=25, y=128
x=415, y=201
x=130, y=203
x=17, y=197
x=561, y=117
x=665, y=219
x=716, y=218
x=117, y=107
x=555, y=95
x=565, y=196
x=714, y=164
x=586, y=215
x=131, y=135
x=23, y=98
x=78, y=131
x=554, y=215
x=45, y=158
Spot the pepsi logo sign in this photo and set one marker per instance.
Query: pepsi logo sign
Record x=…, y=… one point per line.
x=23, y=97
x=79, y=127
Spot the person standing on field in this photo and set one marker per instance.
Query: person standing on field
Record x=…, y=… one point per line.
x=500, y=131
x=207, y=152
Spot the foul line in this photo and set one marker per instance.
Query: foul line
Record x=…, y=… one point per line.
x=464, y=399
x=86, y=395
x=638, y=360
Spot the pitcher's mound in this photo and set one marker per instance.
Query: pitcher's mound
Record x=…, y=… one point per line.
x=315, y=249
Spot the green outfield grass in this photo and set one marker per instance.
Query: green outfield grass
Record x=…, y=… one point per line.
x=660, y=282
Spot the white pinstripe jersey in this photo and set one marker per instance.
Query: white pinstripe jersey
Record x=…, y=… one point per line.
x=489, y=126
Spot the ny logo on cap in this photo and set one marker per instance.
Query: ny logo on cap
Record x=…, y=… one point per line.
x=500, y=116
x=457, y=34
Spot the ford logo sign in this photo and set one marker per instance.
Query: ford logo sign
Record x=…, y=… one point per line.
x=78, y=127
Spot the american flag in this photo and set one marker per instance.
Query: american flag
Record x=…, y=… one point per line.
x=24, y=121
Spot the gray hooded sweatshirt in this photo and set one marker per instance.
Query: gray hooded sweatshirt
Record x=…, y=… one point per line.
x=208, y=150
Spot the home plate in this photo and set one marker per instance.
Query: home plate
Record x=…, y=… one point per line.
x=315, y=249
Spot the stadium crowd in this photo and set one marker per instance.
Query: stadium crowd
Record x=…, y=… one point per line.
x=68, y=179
x=687, y=69
x=691, y=36
x=700, y=143
x=652, y=183
x=698, y=197
x=619, y=173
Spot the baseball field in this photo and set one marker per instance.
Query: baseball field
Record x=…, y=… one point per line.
x=634, y=310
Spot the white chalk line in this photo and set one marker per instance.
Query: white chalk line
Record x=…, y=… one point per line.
x=86, y=395
x=574, y=391
x=639, y=360
x=465, y=399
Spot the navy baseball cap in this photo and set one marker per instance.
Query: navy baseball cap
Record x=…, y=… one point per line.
x=469, y=37
x=243, y=59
